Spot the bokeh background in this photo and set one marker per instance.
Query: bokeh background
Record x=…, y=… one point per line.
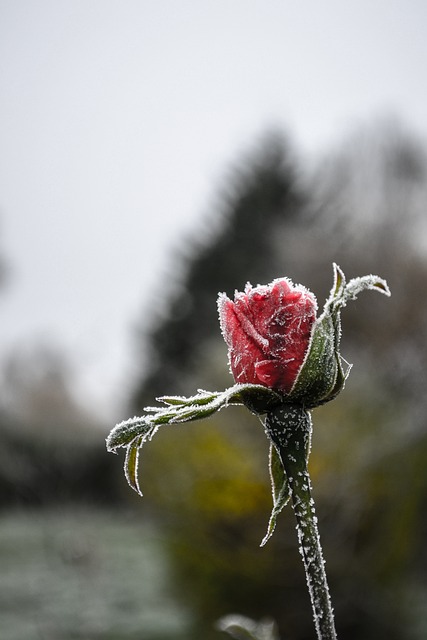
x=153, y=154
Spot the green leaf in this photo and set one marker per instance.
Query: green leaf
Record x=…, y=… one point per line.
x=133, y=433
x=125, y=432
x=172, y=400
x=339, y=281
x=280, y=489
x=342, y=292
x=131, y=465
x=356, y=285
x=181, y=409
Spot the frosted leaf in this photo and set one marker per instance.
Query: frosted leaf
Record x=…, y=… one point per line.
x=131, y=465
x=374, y=283
x=127, y=431
x=324, y=372
x=281, y=491
x=342, y=292
x=133, y=433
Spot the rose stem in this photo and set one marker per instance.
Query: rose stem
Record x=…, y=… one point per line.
x=289, y=428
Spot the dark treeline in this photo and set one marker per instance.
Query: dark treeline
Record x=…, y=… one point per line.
x=50, y=446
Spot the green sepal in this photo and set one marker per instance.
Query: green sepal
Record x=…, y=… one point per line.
x=342, y=292
x=322, y=376
x=181, y=409
x=133, y=433
x=321, y=369
x=280, y=489
x=131, y=465
x=127, y=431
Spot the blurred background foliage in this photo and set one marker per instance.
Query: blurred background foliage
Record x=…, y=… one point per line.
x=207, y=496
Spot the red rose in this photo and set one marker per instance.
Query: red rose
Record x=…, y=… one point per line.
x=267, y=330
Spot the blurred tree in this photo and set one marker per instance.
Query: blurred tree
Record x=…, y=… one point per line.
x=37, y=389
x=262, y=194
x=49, y=442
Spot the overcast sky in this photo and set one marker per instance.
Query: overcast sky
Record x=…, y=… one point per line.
x=119, y=117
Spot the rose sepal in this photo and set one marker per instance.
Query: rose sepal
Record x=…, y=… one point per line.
x=280, y=489
x=323, y=373
x=132, y=434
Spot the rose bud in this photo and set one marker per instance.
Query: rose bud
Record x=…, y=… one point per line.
x=267, y=330
x=275, y=340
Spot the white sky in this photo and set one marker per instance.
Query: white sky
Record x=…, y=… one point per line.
x=119, y=117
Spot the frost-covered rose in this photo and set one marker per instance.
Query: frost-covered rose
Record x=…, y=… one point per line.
x=285, y=361
x=267, y=330
x=274, y=338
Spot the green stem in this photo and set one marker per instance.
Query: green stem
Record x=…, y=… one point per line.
x=289, y=428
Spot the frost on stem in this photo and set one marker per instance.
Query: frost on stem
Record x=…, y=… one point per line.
x=289, y=428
